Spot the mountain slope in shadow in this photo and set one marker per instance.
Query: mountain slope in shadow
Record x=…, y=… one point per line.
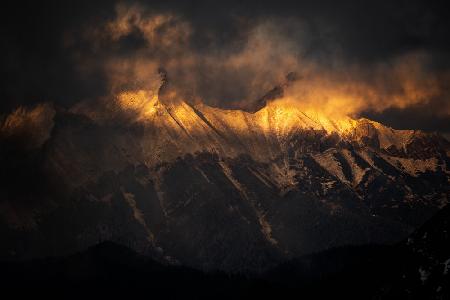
x=415, y=269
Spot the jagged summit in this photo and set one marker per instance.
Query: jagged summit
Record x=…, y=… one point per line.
x=275, y=93
x=175, y=128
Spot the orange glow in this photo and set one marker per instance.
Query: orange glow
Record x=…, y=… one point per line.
x=237, y=78
x=34, y=124
x=142, y=103
x=280, y=116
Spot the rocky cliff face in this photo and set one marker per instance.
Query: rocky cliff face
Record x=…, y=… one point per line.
x=227, y=189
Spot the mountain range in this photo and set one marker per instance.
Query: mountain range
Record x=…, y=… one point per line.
x=215, y=189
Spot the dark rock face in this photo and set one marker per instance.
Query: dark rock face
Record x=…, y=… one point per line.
x=234, y=213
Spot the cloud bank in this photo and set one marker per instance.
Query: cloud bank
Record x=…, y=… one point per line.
x=358, y=60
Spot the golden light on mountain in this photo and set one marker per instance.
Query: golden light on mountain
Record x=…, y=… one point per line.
x=174, y=127
x=140, y=102
x=282, y=115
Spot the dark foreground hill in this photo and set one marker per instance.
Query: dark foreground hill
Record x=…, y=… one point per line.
x=415, y=269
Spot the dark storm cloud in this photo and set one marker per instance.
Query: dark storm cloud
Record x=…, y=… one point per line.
x=35, y=63
x=417, y=116
x=50, y=52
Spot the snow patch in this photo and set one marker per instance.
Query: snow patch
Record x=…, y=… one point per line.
x=329, y=162
x=156, y=177
x=137, y=214
x=357, y=171
x=390, y=137
x=228, y=173
x=261, y=177
x=327, y=185
x=446, y=266
x=424, y=274
x=366, y=156
x=266, y=229
x=203, y=174
x=412, y=166
x=284, y=176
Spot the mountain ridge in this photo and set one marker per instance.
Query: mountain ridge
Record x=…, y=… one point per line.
x=198, y=127
x=221, y=189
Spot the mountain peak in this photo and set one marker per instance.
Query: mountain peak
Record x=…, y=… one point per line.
x=276, y=92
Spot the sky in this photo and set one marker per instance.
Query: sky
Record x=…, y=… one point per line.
x=388, y=61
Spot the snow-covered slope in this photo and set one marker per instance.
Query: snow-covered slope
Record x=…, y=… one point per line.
x=175, y=128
